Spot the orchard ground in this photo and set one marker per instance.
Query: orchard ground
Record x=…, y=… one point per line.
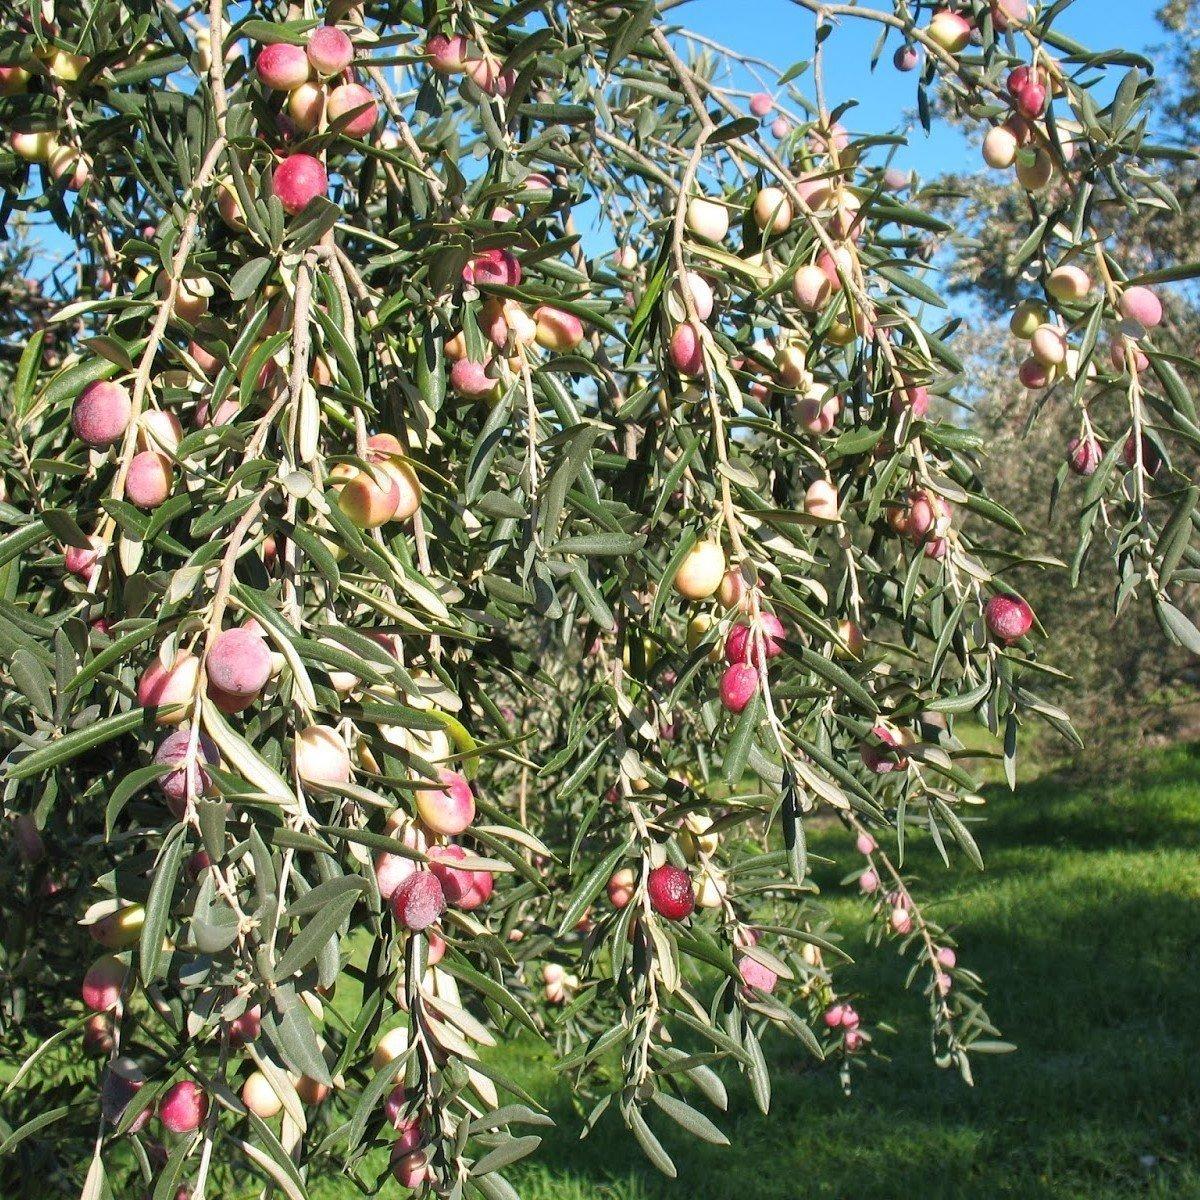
x=1084, y=928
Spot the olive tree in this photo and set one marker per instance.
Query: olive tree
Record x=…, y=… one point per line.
x=425, y=621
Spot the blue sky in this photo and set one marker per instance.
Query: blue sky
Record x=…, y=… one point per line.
x=782, y=33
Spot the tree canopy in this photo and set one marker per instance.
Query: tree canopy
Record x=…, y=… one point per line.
x=399, y=599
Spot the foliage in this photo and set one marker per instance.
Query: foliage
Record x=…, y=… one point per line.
x=1077, y=914
x=413, y=517
x=1128, y=682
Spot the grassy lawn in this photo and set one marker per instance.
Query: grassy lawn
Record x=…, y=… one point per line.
x=1084, y=927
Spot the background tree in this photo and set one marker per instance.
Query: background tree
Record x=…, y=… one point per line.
x=399, y=600
x=1127, y=678
x=1123, y=678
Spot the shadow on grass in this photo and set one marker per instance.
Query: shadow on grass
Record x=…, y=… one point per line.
x=1146, y=801
x=1083, y=925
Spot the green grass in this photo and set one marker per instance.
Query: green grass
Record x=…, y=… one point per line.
x=1084, y=927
